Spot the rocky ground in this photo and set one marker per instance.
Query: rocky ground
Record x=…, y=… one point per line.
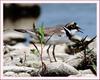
x=24, y=61
x=20, y=60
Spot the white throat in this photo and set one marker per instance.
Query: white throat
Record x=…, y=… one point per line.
x=73, y=31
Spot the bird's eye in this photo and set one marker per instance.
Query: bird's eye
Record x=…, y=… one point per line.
x=75, y=23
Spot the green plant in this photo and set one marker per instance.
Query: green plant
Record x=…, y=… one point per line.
x=92, y=64
x=94, y=68
x=40, y=34
x=41, y=39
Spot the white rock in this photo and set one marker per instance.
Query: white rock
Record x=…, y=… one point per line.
x=24, y=74
x=18, y=69
x=75, y=60
x=59, y=69
x=87, y=71
x=10, y=74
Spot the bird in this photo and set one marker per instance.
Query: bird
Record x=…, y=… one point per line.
x=58, y=36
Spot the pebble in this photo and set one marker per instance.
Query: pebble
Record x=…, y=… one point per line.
x=24, y=74
x=10, y=74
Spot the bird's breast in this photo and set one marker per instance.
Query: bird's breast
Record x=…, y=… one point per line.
x=58, y=39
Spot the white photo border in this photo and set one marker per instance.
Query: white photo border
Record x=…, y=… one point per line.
x=46, y=78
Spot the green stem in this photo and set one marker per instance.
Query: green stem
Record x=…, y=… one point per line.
x=41, y=53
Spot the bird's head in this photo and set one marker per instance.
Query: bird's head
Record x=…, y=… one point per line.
x=73, y=27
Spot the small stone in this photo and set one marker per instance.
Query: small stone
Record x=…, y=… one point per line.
x=59, y=69
x=75, y=60
x=10, y=73
x=18, y=69
x=87, y=71
x=24, y=75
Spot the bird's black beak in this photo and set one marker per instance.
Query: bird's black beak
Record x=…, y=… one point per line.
x=79, y=29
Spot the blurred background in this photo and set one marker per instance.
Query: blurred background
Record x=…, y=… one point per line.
x=83, y=13
x=52, y=14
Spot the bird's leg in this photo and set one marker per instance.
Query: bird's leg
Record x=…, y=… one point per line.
x=48, y=52
x=54, y=53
